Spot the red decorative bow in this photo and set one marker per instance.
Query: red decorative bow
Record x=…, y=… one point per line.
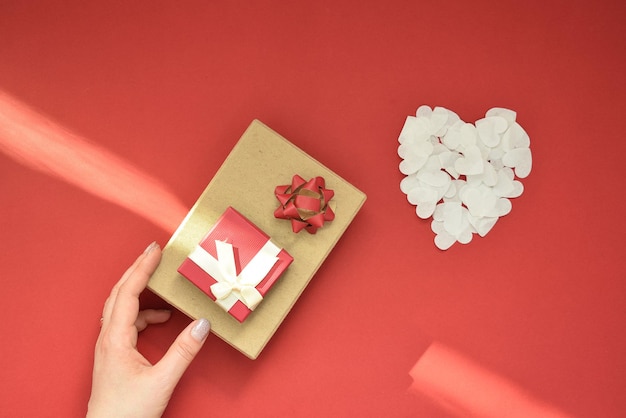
x=305, y=203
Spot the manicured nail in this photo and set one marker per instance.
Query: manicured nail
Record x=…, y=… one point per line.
x=201, y=330
x=151, y=247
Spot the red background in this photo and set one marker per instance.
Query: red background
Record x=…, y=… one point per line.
x=171, y=86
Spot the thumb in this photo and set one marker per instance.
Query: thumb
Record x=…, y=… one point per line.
x=184, y=350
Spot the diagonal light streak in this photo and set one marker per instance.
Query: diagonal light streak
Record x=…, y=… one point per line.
x=42, y=144
x=464, y=388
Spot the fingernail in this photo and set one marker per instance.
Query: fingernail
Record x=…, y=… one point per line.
x=151, y=247
x=201, y=329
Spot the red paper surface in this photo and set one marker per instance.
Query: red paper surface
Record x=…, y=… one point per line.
x=247, y=240
x=169, y=87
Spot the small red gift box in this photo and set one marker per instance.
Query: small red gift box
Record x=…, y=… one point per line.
x=235, y=264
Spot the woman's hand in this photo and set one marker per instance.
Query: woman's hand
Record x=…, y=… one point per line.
x=124, y=383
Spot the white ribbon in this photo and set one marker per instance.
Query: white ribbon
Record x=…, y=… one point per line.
x=231, y=287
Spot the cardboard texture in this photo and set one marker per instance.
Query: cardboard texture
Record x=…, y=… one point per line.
x=260, y=161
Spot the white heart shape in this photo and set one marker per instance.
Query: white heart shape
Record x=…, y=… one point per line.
x=470, y=162
x=490, y=130
x=506, y=186
x=457, y=133
x=507, y=114
x=426, y=209
x=480, y=201
x=520, y=159
x=443, y=240
x=462, y=174
x=422, y=194
x=489, y=176
x=482, y=225
x=435, y=179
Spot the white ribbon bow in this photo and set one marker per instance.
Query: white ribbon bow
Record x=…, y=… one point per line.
x=231, y=287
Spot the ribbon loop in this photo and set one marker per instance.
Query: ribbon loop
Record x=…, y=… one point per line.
x=221, y=290
x=230, y=286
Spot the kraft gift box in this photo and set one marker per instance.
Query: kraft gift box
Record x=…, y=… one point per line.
x=260, y=161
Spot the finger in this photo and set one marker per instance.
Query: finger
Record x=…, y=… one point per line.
x=151, y=316
x=183, y=351
x=108, y=304
x=125, y=309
